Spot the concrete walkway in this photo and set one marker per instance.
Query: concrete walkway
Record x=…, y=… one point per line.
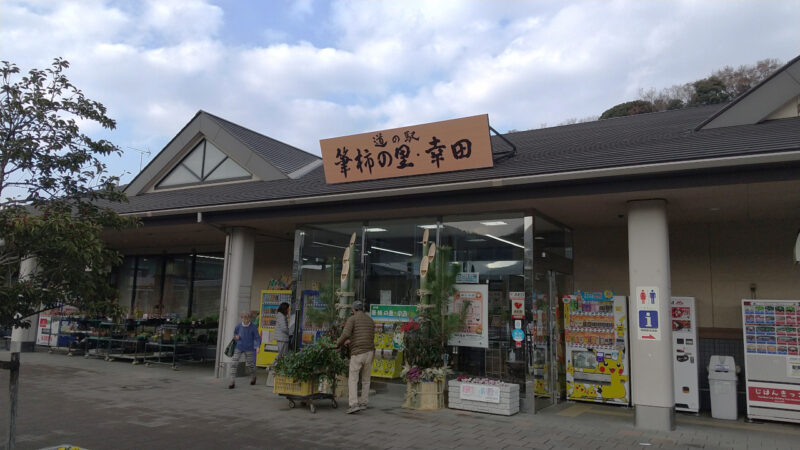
x=96, y=404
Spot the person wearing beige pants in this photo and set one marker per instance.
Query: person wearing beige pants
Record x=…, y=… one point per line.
x=359, y=335
x=360, y=364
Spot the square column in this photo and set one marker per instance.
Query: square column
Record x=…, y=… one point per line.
x=649, y=315
x=237, y=286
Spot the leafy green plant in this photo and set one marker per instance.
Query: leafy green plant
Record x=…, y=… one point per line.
x=318, y=360
x=426, y=346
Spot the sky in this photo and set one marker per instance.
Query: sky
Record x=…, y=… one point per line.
x=302, y=70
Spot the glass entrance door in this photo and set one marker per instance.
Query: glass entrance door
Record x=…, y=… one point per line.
x=546, y=359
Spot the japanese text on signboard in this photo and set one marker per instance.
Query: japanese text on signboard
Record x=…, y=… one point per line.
x=446, y=146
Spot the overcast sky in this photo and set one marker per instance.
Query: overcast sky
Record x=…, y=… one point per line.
x=300, y=71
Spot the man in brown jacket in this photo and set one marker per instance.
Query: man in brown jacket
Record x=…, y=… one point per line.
x=359, y=332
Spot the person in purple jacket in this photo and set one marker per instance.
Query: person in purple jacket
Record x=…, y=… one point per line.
x=247, y=341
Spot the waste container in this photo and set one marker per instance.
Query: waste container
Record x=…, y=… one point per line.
x=722, y=384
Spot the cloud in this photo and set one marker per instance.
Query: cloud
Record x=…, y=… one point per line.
x=366, y=65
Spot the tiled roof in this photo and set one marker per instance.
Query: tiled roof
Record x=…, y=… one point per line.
x=284, y=157
x=626, y=141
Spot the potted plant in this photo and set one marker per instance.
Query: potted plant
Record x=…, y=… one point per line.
x=328, y=318
x=299, y=373
x=425, y=339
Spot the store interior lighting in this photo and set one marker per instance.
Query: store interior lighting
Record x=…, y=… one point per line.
x=505, y=241
x=391, y=251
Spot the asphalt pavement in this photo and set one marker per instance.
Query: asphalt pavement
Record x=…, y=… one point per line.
x=97, y=404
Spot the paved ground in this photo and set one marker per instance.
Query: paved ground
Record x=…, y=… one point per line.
x=115, y=405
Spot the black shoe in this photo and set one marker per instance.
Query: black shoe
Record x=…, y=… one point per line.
x=252, y=381
x=232, y=385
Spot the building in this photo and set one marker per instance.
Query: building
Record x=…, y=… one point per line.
x=701, y=202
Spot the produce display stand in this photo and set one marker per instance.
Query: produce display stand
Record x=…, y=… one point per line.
x=303, y=392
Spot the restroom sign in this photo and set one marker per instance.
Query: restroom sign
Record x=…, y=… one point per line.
x=647, y=300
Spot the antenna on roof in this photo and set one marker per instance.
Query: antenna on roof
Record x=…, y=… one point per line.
x=141, y=154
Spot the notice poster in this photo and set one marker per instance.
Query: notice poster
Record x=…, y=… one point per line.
x=475, y=332
x=517, y=305
x=43, y=330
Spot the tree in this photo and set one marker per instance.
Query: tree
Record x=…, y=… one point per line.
x=55, y=197
x=628, y=109
x=740, y=80
x=709, y=91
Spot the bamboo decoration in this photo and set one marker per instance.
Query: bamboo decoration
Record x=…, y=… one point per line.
x=425, y=266
x=346, y=292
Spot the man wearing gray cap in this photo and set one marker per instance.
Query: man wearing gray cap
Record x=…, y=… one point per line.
x=359, y=333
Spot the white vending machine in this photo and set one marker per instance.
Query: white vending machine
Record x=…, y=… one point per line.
x=685, y=354
x=772, y=358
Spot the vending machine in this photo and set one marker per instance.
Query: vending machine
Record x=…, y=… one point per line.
x=772, y=358
x=596, y=335
x=685, y=354
x=270, y=300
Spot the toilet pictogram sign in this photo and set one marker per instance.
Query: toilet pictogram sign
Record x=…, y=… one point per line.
x=647, y=306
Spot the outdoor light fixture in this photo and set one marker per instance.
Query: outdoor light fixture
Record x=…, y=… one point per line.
x=391, y=251
x=430, y=227
x=494, y=223
x=503, y=240
x=374, y=230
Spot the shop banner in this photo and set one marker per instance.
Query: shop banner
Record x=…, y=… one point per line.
x=446, y=146
x=475, y=332
x=773, y=395
x=393, y=313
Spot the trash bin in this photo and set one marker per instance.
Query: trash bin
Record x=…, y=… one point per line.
x=722, y=384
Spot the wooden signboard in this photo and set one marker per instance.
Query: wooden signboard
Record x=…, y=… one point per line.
x=446, y=146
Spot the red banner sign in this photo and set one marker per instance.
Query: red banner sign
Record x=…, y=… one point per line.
x=774, y=395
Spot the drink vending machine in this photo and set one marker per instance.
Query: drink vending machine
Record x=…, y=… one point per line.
x=596, y=335
x=685, y=355
x=772, y=358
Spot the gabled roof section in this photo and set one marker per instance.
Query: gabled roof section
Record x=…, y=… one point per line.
x=761, y=100
x=283, y=156
x=264, y=157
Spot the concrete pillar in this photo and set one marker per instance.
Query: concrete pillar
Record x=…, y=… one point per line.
x=651, y=351
x=24, y=339
x=236, y=290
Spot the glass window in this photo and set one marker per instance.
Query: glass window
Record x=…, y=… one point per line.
x=493, y=248
x=148, y=286
x=228, y=170
x=321, y=260
x=180, y=175
x=125, y=283
x=393, y=254
x=207, y=286
x=177, y=281
x=205, y=163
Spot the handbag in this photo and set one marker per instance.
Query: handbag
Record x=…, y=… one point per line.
x=230, y=349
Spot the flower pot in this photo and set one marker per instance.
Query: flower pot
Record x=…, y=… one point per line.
x=424, y=395
x=502, y=399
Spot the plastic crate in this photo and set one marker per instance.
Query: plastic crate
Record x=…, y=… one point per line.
x=284, y=385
